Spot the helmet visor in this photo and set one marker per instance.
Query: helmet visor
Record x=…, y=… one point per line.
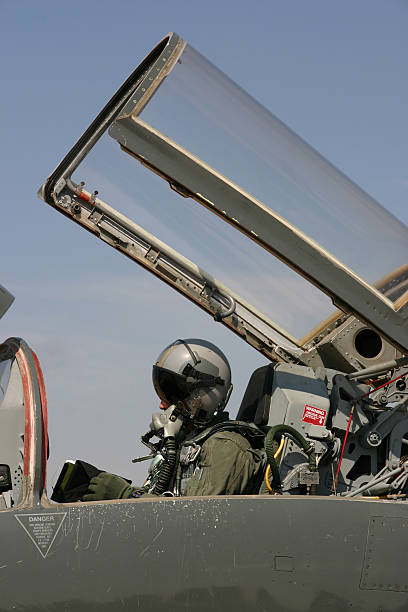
x=170, y=386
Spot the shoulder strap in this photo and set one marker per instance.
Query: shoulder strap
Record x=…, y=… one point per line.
x=248, y=430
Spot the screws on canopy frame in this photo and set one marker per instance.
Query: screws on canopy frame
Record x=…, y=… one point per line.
x=93, y=197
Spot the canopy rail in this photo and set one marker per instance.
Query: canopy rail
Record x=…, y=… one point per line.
x=218, y=300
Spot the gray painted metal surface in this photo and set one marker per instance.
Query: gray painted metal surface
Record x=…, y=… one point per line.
x=242, y=553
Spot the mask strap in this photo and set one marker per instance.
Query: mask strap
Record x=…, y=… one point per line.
x=203, y=379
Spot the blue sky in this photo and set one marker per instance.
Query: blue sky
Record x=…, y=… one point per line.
x=333, y=71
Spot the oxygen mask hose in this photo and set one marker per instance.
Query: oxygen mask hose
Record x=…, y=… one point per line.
x=167, y=426
x=297, y=437
x=268, y=468
x=168, y=467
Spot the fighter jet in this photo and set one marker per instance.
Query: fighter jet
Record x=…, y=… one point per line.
x=319, y=286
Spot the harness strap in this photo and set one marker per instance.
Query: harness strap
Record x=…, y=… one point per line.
x=248, y=430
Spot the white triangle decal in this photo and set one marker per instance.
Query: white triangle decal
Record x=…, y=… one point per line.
x=42, y=528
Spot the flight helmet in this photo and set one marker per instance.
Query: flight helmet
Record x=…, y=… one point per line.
x=196, y=373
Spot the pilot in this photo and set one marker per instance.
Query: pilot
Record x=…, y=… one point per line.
x=201, y=451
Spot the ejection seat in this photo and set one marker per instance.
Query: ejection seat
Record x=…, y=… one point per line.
x=256, y=402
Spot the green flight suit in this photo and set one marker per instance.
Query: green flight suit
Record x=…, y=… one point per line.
x=226, y=465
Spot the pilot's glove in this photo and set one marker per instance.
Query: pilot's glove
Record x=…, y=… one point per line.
x=107, y=486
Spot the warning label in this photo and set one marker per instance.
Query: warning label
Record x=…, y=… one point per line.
x=42, y=528
x=314, y=415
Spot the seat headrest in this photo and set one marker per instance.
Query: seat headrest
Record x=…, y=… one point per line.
x=257, y=397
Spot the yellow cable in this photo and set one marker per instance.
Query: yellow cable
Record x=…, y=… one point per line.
x=268, y=469
x=278, y=452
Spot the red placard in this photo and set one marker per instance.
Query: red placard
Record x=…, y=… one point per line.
x=314, y=415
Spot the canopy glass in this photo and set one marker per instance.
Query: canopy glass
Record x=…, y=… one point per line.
x=200, y=108
x=239, y=263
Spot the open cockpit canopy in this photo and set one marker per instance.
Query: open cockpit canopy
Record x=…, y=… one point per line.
x=215, y=145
